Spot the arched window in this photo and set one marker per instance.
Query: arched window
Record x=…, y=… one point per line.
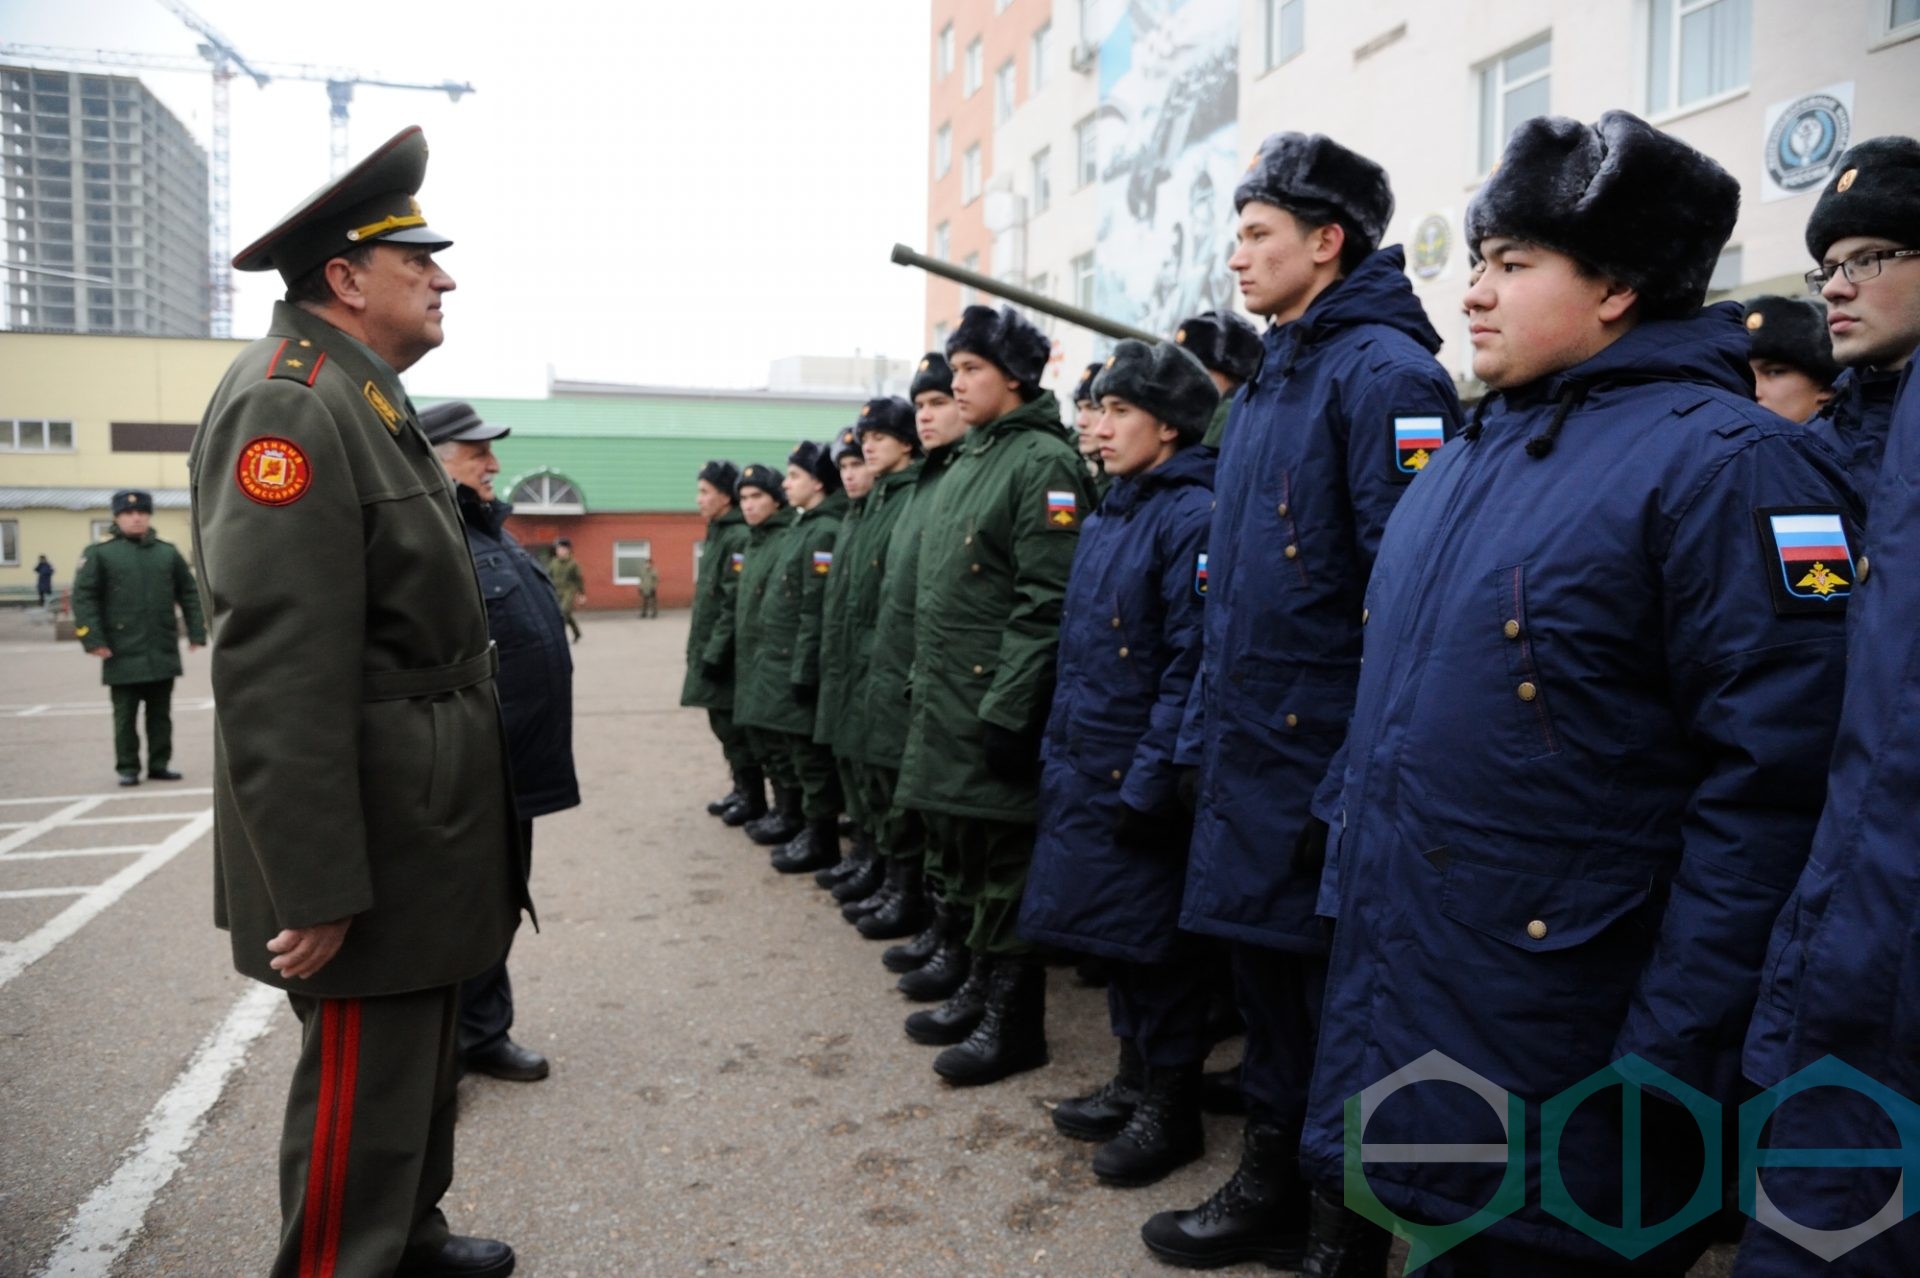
x=546, y=493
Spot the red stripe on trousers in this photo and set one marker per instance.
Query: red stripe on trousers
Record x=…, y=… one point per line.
x=343, y=1134
x=319, y=1151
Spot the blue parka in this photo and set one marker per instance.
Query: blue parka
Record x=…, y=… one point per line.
x=1129, y=646
x=1308, y=474
x=1586, y=759
x=1855, y=421
x=1843, y=971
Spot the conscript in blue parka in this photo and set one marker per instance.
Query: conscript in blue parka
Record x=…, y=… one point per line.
x=1605, y=632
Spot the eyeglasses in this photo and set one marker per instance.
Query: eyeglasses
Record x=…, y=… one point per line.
x=1858, y=269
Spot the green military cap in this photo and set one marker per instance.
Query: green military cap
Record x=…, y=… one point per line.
x=373, y=201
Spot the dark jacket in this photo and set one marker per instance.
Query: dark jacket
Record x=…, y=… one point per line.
x=710, y=631
x=789, y=600
x=885, y=707
x=1854, y=423
x=1308, y=474
x=1129, y=646
x=760, y=687
x=853, y=609
x=1585, y=761
x=124, y=598
x=536, y=666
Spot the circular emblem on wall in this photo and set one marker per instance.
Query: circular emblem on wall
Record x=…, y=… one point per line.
x=1806, y=141
x=273, y=471
x=1432, y=241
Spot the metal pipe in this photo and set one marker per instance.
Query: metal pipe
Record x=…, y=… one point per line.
x=905, y=256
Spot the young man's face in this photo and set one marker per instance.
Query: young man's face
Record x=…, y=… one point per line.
x=802, y=488
x=561, y=550
x=885, y=454
x=1532, y=313
x=936, y=419
x=1130, y=439
x=133, y=523
x=1875, y=323
x=982, y=390
x=1786, y=390
x=1281, y=264
x=1086, y=417
x=855, y=477
x=711, y=502
x=757, y=505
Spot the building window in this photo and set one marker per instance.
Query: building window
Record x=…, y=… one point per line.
x=1699, y=49
x=944, y=52
x=1042, y=180
x=1043, y=285
x=970, y=175
x=967, y=294
x=10, y=543
x=1083, y=281
x=1513, y=87
x=99, y=529
x=626, y=561
x=546, y=493
x=976, y=68
x=1086, y=148
x=1003, y=92
x=1042, y=56
x=1901, y=13
x=1727, y=270
x=943, y=150
x=18, y=436
x=942, y=240
x=1286, y=30
x=940, y=332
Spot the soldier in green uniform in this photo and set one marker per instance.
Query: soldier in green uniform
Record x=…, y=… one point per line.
x=366, y=855
x=1229, y=349
x=569, y=582
x=709, y=681
x=993, y=572
x=841, y=646
x=760, y=688
x=648, y=579
x=124, y=598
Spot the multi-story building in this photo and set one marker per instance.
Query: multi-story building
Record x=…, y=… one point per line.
x=106, y=215
x=1089, y=148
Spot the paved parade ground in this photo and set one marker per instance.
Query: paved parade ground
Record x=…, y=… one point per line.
x=731, y=1091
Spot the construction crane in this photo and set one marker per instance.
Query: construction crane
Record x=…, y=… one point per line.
x=225, y=63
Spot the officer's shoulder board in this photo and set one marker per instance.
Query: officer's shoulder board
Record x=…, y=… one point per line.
x=1413, y=439
x=1807, y=559
x=296, y=359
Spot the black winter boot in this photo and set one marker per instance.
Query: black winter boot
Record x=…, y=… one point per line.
x=915, y=953
x=863, y=882
x=856, y=908
x=903, y=915
x=1164, y=1133
x=733, y=796
x=941, y=975
x=1103, y=1112
x=1012, y=1034
x=859, y=852
x=816, y=846
x=782, y=823
x=1259, y=1214
x=753, y=798
x=1343, y=1244
x=954, y=1019
x=1220, y=1091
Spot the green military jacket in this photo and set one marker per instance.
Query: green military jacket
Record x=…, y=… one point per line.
x=569, y=582
x=123, y=600
x=837, y=640
x=881, y=731
x=862, y=559
x=790, y=624
x=710, y=636
x=1217, y=428
x=360, y=766
x=759, y=675
x=994, y=557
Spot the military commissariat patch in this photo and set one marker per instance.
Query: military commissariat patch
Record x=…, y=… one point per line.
x=1200, y=574
x=822, y=562
x=1063, y=509
x=1807, y=559
x=273, y=471
x=1415, y=441
x=739, y=560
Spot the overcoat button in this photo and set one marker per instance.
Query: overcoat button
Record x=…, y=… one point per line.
x=1526, y=692
x=1281, y=510
x=1293, y=552
x=1116, y=774
x=1293, y=721
x=976, y=567
x=979, y=669
x=1116, y=623
x=1862, y=574
x=1511, y=630
x=1123, y=652
x=1537, y=930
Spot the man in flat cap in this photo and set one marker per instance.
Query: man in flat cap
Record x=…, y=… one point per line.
x=535, y=682
x=368, y=859
x=1791, y=356
x=124, y=598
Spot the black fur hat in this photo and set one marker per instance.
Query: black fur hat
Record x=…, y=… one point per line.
x=765, y=478
x=817, y=460
x=1316, y=179
x=721, y=474
x=1875, y=191
x=1223, y=342
x=1083, y=393
x=1792, y=331
x=1006, y=341
x=846, y=444
x=1633, y=203
x=890, y=415
x=932, y=375
x=1163, y=379
x=134, y=500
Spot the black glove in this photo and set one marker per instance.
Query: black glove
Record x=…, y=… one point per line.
x=1158, y=831
x=1013, y=757
x=712, y=672
x=1310, y=848
x=1186, y=788
x=805, y=694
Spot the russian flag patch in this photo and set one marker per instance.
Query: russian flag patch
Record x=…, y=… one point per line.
x=1063, y=509
x=1200, y=574
x=1415, y=441
x=1807, y=558
x=822, y=562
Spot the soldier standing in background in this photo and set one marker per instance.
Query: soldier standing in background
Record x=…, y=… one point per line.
x=840, y=646
x=1229, y=349
x=1791, y=356
x=647, y=578
x=760, y=690
x=569, y=582
x=1085, y=413
x=710, y=674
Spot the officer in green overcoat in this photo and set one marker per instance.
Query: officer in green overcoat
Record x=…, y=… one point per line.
x=841, y=645
x=366, y=855
x=760, y=688
x=709, y=679
x=124, y=598
x=993, y=571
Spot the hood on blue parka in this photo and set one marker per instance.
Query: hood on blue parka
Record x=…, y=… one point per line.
x=1377, y=292
x=1191, y=465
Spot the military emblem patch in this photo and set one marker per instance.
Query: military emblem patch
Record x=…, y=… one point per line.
x=389, y=415
x=273, y=471
x=1200, y=574
x=1063, y=509
x=822, y=562
x=1415, y=441
x=739, y=560
x=1807, y=559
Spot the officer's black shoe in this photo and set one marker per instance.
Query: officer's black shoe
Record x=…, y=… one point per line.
x=1163, y=1135
x=1102, y=1113
x=954, y=1019
x=507, y=1059
x=859, y=852
x=129, y=778
x=862, y=882
x=782, y=823
x=1343, y=1244
x=941, y=975
x=1259, y=1214
x=1012, y=1034
x=164, y=774
x=464, y=1258
x=1220, y=1092
x=813, y=848
x=903, y=915
x=915, y=953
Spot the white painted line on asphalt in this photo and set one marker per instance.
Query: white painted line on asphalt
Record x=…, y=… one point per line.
x=105, y=1225
x=56, y=853
x=30, y=832
x=33, y=710
x=18, y=956
x=115, y=796
x=21, y=894
x=137, y=817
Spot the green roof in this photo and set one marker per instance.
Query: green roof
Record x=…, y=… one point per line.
x=643, y=452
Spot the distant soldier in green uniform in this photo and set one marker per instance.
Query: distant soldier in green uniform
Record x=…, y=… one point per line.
x=1229, y=349
x=842, y=647
x=568, y=582
x=648, y=579
x=709, y=681
x=124, y=598
x=367, y=859
x=993, y=572
x=760, y=684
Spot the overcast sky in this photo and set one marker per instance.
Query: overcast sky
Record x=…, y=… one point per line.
x=639, y=191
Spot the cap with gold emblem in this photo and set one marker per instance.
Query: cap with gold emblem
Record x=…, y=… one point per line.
x=890, y=415
x=932, y=375
x=372, y=203
x=1874, y=190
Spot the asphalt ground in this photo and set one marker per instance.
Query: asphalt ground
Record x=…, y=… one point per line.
x=731, y=1089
